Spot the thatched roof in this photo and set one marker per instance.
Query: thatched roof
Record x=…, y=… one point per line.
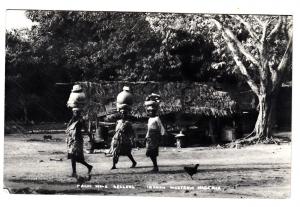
x=186, y=97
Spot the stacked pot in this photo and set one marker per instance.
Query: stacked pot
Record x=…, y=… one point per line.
x=77, y=98
x=124, y=99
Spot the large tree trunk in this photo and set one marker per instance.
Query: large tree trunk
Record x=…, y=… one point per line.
x=265, y=118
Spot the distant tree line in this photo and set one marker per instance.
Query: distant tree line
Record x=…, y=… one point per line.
x=68, y=46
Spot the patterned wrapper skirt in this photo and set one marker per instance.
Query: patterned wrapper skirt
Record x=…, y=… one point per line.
x=152, y=144
x=120, y=148
x=75, y=150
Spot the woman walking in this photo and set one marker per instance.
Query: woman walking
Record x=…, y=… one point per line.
x=75, y=141
x=122, y=141
x=124, y=136
x=155, y=129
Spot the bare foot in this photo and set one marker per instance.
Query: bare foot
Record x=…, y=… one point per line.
x=90, y=169
x=74, y=175
x=155, y=169
x=133, y=165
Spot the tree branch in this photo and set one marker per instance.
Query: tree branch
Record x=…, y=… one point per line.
x=282, y=67
x=241, y=47
x=286, y=54
x=275, y=29
x=236, y=58
x=262, y=46
x=263, y=36
x=258, y=20
x=248, y=27
x=274, y=73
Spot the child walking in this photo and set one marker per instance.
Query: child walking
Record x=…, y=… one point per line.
x=155, y=129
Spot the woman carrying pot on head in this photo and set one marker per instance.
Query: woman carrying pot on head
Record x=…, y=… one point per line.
x=155, y=129
x=124, y=136
x=75, y=141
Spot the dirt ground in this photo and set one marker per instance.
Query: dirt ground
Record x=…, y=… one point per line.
x=32, y=165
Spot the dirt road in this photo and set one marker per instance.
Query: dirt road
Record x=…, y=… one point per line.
x=32, y=165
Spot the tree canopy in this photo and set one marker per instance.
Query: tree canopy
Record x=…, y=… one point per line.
x=69, y=46
x=115, y=46
x=258, y=47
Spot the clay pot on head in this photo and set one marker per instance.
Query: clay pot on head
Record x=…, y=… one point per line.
x=125, y=97
x=77, y=98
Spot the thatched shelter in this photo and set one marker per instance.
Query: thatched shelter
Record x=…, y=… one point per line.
x=184, y=106
x=184, y=97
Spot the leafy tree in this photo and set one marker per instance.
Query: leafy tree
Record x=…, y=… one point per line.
x=116, y=46
x=68, y=46
x=18, y=98
x=263, y=59
x=96, y=45
x=29, y=86
x=260, y=49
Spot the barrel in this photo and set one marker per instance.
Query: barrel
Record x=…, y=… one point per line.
x=101, y=134
x=228, y=134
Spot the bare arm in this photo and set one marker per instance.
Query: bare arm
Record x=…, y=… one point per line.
x=85, y=128
x=161, y=126
x=71, y=121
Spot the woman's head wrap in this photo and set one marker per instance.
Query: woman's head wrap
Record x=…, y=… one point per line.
x=77, y=88
x=76, y=109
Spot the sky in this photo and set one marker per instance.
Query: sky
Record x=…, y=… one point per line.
x=16, y=19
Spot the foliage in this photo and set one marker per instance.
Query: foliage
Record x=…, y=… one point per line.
x=29, y=87
x=259, y=46
x=115, y=46
x=168, y=24
x=69, y=46
x=97, y=45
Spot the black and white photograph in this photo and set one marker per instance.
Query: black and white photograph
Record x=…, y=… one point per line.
x=155, y=104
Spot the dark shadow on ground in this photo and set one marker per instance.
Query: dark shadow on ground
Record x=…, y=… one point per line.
x=178, y=171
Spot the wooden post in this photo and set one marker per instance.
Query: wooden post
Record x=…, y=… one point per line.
x=211, y=128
